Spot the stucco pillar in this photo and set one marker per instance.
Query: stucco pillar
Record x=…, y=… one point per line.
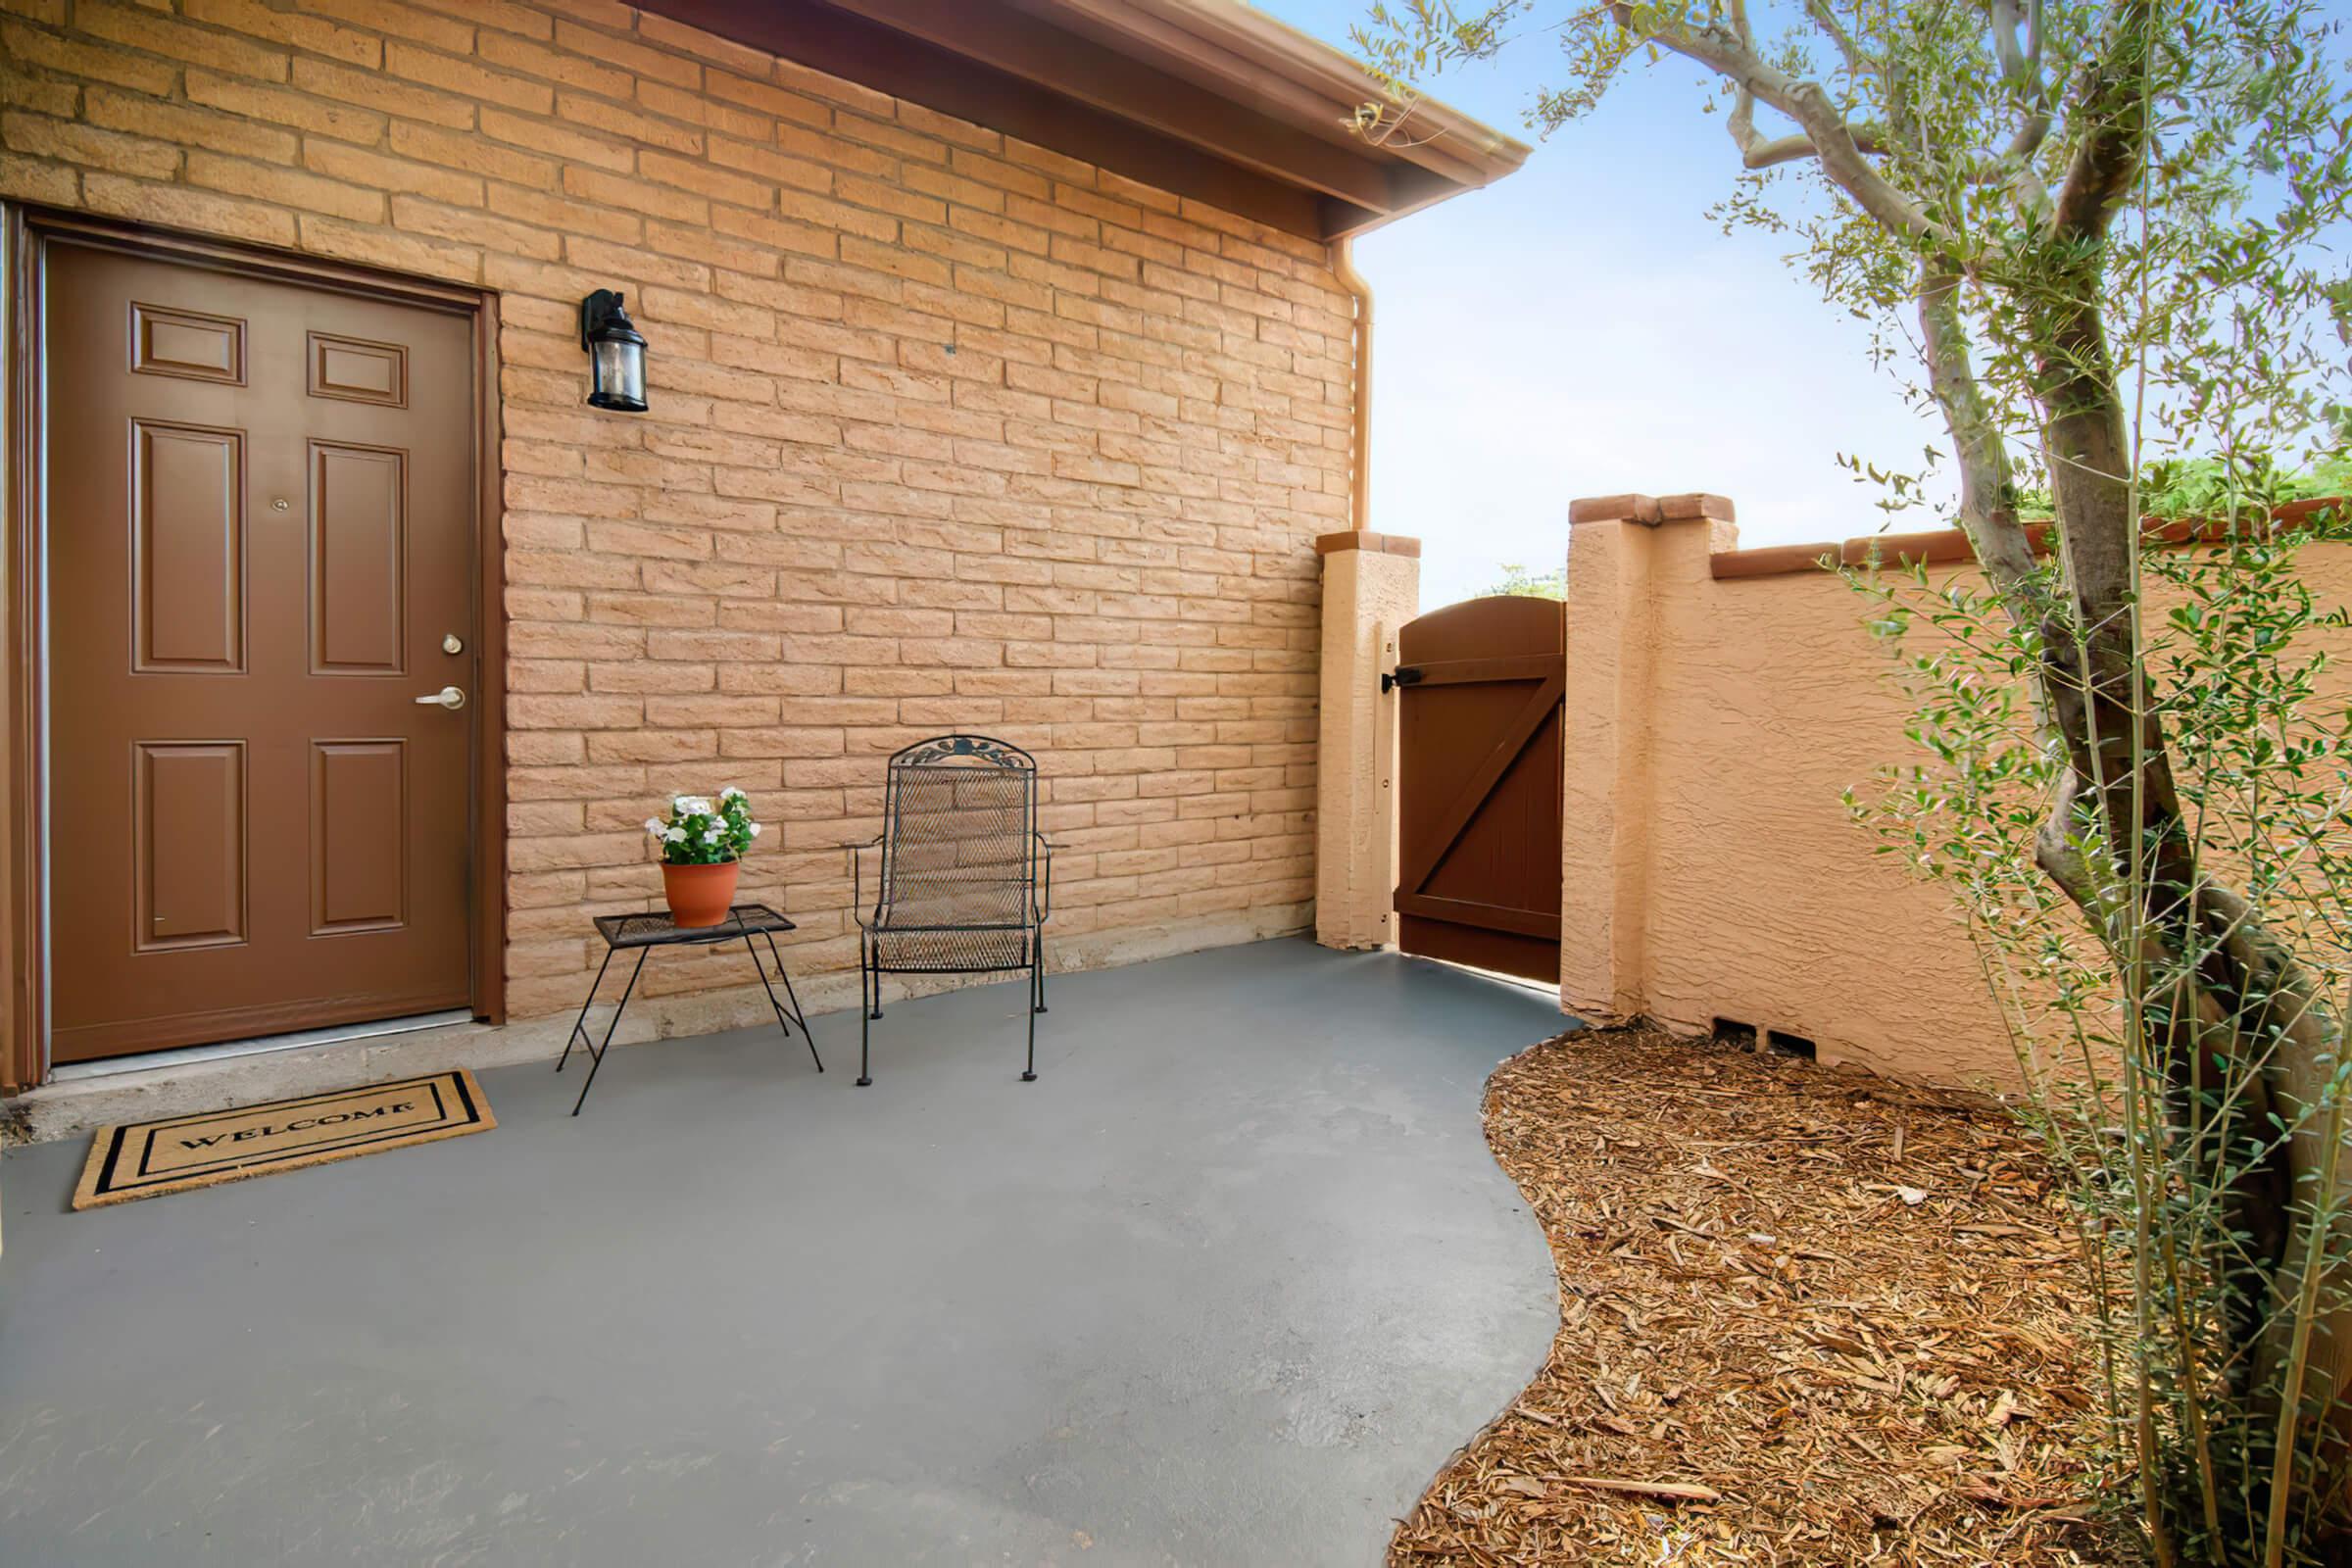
x=1371, y=587
x=1622, y=553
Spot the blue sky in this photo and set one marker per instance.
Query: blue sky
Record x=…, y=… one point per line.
x=1581, y=328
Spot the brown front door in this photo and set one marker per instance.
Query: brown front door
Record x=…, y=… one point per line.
x=259, y=530
x=1478, y=738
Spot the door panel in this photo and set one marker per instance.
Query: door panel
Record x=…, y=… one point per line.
x=187, y=344
x=357, y=875
x=359, y=559
x=1479, y=784
x=187, y=530
x=260, y=529
x=188, y=832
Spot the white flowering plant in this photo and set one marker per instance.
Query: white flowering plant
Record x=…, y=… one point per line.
x=701, y=832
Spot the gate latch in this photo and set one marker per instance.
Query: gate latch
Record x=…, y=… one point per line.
x=1405, y=676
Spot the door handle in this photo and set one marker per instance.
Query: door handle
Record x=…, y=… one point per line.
x=446, y=697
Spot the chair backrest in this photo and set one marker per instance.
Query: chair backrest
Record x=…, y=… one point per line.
x=958, y=826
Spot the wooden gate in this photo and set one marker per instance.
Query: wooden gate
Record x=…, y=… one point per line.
x=1479, y=690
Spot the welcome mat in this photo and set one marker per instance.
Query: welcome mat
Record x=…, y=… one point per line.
x=148, y=1159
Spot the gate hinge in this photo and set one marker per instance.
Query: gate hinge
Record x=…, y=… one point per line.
x=1405, y=676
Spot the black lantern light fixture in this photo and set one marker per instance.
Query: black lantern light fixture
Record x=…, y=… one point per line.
x=615, y=353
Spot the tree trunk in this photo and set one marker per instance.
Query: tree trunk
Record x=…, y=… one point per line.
x=2222, y=1009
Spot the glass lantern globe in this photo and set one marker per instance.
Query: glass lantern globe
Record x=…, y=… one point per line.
x=615, y=353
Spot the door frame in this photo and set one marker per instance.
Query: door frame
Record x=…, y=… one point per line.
x=26, y=234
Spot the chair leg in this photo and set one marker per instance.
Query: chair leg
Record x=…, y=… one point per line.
x=868, y=983
x=1037, y=980
x=1040, y=983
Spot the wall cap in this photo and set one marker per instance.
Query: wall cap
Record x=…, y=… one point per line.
x=1943, y=546
x=1387, y=544
x=1650, y=511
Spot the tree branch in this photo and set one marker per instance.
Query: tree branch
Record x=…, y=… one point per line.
x=1988, y=494
x=1857, y=63
x=2021, y=65
x=2115, y=118
x=1759, y=152
x=1833, y=140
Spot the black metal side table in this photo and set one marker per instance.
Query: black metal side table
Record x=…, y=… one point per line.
x=646, y=932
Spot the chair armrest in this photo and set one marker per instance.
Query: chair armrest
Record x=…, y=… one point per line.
x=855, y=854
x=1043, y=909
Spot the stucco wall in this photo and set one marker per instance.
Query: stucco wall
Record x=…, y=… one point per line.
x=1371, y=587
x=948, y=432
x=1711, y=870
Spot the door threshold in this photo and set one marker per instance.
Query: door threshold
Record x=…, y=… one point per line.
x=1542, y=988
x=260, y=1045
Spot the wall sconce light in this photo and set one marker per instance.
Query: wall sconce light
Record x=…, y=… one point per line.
x=615, y=353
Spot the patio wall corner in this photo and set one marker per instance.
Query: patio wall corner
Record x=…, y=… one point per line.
x=1371, y=587
x=1719, y=707
x=1624, y=550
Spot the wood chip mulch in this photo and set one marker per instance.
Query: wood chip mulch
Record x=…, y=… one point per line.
x=1807, y=1315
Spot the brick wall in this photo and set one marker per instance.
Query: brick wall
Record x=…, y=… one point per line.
x=949, y=432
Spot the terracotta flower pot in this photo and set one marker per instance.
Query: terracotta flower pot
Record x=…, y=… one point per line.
x=700, y=895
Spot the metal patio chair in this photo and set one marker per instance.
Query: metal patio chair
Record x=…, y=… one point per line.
x=966, y=879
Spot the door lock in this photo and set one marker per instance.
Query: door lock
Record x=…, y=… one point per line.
x=452, y=643
x=446, y=697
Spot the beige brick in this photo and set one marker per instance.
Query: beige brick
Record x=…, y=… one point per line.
x=448, y=74
x=196, y=46
x=343, y=121
x=171, y=122
x=329, y=236
x=102, y=63
x=182, y=207
x=42, y=137
x=361, y=167
x=700, y=110
x=321, y=37
x=620, y=121
x=653, y=65
x=702, y=245
x=807, y=238
x=782, y=103
x=694, y=42
x=835, y=153
x=562, y=66
x=284, y=187
x=472, y=153
x=346, y=85
x=782, y=169
x=401, y=22
x=418, y=217
x=636, y=195
x=27, y=179
x=571, y=146
x=560, y=217
x=700, y=178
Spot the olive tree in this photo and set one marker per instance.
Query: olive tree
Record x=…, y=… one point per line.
x=2094, y=240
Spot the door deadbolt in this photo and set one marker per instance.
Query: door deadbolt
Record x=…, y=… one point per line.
x=452, y=643
x=446, y=697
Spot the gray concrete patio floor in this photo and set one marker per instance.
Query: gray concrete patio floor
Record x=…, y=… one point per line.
x=1226, y=1286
